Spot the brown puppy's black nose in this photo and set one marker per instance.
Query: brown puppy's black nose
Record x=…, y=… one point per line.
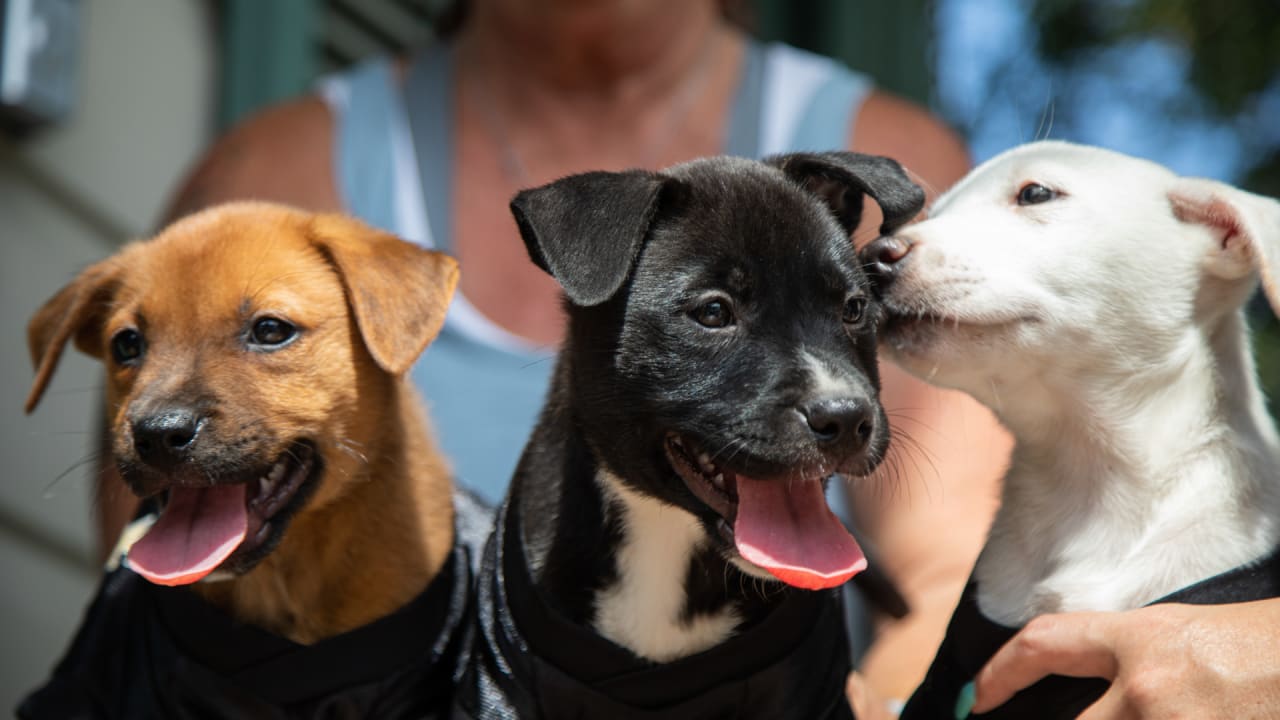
x=840, y=420
x=882, y=258
x=164, y=439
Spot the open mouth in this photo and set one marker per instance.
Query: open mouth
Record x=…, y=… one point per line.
x=782, y=526
x=715, y=486
x=275, y=495
x=229, y=524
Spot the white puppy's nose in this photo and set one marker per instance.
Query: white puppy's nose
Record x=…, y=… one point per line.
x=883, y=257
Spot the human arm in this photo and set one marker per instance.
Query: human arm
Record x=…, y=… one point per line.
x=1163, y=661
x=866, y=702
x=929, y=508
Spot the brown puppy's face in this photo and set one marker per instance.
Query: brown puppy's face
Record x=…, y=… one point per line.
x=214, y=350
x=249, y=353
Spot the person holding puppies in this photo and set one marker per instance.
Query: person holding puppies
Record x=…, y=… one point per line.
x=433, y=146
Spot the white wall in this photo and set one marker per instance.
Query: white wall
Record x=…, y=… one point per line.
x=69, y=197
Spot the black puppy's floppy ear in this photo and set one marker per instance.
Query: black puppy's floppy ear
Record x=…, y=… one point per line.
x=587, y=230
x=841, y=178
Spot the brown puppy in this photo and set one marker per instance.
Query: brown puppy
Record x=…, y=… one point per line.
x=254, y=358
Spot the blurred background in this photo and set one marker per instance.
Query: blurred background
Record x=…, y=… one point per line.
x=113, y=101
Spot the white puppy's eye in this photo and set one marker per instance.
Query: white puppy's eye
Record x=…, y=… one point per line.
x=1035, y=193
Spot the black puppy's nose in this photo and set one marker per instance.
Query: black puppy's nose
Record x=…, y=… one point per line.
x=164, y=438
x=840, y=420
x=882, y=258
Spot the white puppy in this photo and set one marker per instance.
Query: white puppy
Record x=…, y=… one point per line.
x=1093, y=301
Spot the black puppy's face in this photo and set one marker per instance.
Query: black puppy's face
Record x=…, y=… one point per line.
x=732, y=369
x=746, y=348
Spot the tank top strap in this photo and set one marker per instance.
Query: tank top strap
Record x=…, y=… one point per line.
x=742, y=133
x=428, y=105
x=362, y=102
x=808, y=101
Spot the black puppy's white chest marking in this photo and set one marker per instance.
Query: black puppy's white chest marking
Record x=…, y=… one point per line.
x=644, y=610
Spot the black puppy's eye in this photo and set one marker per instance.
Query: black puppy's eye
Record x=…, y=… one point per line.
x=1035, y=193
x=713, y=314
x=126, y=346
x=855, y=308
x=272, y=331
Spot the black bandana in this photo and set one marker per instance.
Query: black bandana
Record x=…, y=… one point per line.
x=146, y=651
x=529, y=661
x=972, y=639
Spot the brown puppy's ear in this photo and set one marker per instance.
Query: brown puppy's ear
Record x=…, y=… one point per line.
x=840, y=179
x=78, y=310
x=1247, y=226
x=587, y=230
x=398, y=291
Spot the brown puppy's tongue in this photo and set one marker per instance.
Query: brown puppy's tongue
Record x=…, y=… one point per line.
x=197, y=530
x=787, y=529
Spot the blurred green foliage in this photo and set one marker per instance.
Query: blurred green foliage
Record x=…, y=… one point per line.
x=1233, y=54
x=1267, y=350
x=1233, y=47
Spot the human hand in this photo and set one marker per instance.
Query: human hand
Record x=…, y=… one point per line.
x=1163, y=661
x=867, y=703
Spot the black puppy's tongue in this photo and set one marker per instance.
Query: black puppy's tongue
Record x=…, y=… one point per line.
x=196, y=531
x=787, y=529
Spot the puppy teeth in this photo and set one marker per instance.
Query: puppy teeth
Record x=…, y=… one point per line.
x=264, y=486
x=277, y=472
x=705, y=461
x=718, y=480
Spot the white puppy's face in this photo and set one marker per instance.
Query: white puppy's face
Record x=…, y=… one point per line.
x=1055, y=261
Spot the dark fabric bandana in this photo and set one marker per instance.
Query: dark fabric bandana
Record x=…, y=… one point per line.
x=529, y=661
x=145, y=651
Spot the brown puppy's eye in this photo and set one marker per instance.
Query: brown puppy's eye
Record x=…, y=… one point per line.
x=126, y=346
x=855, y=308
x=713, y=314
x=1034, y=194
x=272, y=331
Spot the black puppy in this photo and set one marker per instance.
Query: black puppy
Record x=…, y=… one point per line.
x=720, y=365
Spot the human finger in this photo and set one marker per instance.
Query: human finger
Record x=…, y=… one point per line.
x=867, y=703
x=1073, y=644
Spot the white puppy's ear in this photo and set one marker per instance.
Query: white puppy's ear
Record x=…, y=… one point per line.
x=1247, y=225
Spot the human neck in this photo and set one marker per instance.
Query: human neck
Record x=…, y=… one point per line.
x=614, y=50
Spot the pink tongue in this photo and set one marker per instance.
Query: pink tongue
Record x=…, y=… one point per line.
x=198, y=529
x=787, y=529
